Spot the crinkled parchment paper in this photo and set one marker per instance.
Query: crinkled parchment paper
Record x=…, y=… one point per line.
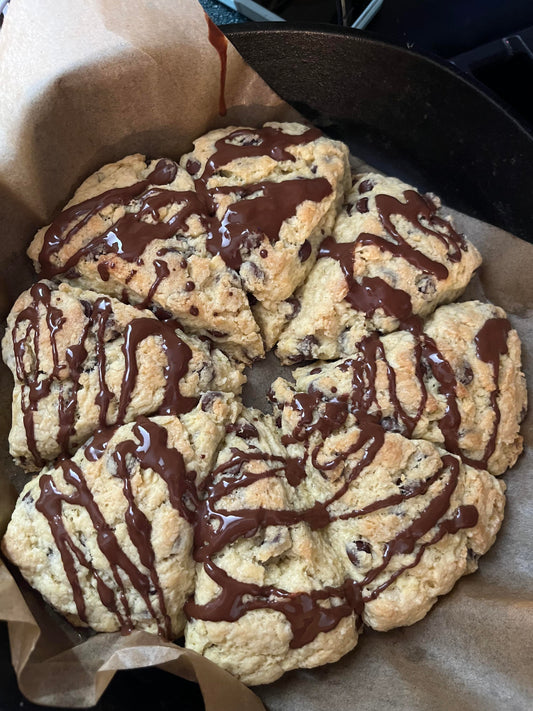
x=84, y=82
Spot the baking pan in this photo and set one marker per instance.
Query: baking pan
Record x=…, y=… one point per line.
x=411, y=115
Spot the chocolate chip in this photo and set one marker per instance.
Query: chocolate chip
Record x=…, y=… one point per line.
x=355, y=548
x=263, y=253
x=87, y=307
x=362, y=205
x=305, y=251
x=305, y=347
x=390, y=424
x=426, y=284
x=189, y=286
x=465, y=374
x=366, y=186
x=72, y=274
x=193, y=311
x=251, y=241
x=192, y=166
x=295, y=305
x=208, y=399
x=258, y=273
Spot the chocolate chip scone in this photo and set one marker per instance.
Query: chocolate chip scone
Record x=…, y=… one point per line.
x=137, y=230
x=270, y=593
x=455, y=380
x=82, y=360
x=392, y=254
x=106, y=536
x=405, y=519
x=275, y=192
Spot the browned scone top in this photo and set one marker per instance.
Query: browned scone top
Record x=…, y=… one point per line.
x=83, y=361
x=106, y=537
x=454, y=379
x=136, y=230
x=392, y=254
x=275, y=192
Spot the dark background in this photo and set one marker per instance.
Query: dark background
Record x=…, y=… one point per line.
x=447, y=28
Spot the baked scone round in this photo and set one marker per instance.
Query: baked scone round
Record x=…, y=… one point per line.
x=393, y=253
x=106, y=537
x=82, y=360
x=454, y=380
x=360, y=500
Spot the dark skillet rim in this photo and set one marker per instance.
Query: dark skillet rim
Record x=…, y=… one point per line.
x=323, y=29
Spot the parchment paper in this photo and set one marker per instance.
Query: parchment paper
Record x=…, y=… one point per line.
x=83, y=82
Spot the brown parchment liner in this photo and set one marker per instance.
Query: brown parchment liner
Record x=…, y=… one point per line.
x=84, y=82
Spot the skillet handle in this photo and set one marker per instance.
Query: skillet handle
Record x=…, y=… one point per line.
x=497, y=52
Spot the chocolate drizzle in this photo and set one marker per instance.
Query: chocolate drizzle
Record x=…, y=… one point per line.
x=260, y=211
x=219, y=41
x=321, y=610
x=149, y=450
x=369, y=294
x=36, y=387
x=491, y=343
x=69, y=222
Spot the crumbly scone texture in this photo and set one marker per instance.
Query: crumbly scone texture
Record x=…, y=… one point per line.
x=273, y=265
x=51, y=325
x=393, y=505
x=279, y=559
x=426, y=271
x=154, y=252
x=393, y=381
x=111, y=496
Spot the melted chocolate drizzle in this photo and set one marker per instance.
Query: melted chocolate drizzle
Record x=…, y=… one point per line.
x=256, y=215
x=369, y=294
x=35, y=386
x=491, y=343
x=318, y=611
x=150, y=451
x=219, y=41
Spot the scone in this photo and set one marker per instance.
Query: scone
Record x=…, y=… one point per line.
x=137, y=230
x=275, y=192
x=455, y=380
x=82, y=361
x=106, y=536
x=405, y=519
x=270, y=592
x=392, y=254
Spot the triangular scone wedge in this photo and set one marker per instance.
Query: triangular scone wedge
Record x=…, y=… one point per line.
x=275, y=192
x=82, y=361
x=405, y=518
x=270, y=594
x=136, y=230
x=455, y=380
x=106, y=537
x=393, y=253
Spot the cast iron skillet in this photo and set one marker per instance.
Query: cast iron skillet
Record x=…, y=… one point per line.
x=413, y=116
